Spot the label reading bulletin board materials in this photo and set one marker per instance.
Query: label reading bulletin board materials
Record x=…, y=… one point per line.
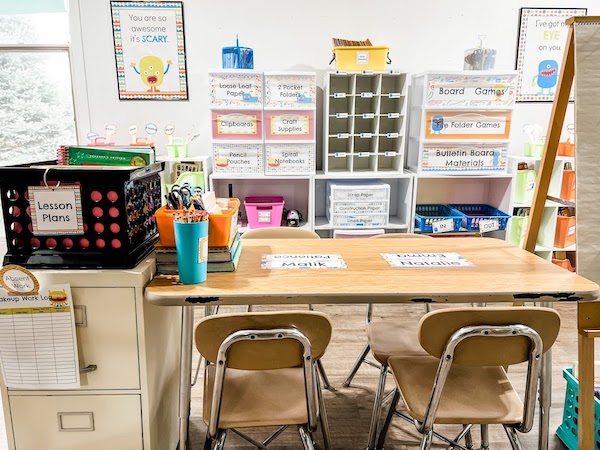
x=464, y=158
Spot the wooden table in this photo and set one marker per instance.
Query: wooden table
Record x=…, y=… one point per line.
x=501, y=273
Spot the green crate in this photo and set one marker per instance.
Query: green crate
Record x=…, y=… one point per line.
x=567, y=431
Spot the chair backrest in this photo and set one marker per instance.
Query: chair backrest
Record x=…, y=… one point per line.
x=262, y=355
x=280, y=233
x=400, y=236
x=437, y=327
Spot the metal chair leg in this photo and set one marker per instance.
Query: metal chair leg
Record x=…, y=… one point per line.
x=377, y=404
x=485, y=440
x=356, y=365
x=219, y=441
x=513, y=437
x=468, y=438
x=306, y=438
x=426, y=441
x=388, y=420
x=323, y=418
x=323, y=375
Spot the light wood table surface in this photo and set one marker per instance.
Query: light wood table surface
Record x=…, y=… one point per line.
x=501, y=273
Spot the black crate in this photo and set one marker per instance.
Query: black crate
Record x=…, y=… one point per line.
x=118, y=206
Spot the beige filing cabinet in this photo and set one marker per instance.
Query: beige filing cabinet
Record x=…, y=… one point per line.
x=130, y=400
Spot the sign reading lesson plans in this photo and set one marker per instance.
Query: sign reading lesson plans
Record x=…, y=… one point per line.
x=303, y=262
x=56, y=210
x=417, y=260
x=149, y=50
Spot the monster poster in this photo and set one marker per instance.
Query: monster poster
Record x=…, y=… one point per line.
x=541, y=45
x=149, y=50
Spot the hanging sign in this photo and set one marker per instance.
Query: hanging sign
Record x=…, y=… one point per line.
x=56, y=210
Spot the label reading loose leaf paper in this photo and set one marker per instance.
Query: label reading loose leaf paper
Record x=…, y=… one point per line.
x=295, y=261
x=418, y=260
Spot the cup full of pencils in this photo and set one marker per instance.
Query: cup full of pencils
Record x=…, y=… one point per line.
x=191, y=242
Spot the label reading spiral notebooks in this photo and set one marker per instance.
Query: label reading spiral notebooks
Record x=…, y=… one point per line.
x=302, y=262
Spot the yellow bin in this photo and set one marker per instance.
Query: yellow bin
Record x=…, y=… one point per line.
x=359, y=58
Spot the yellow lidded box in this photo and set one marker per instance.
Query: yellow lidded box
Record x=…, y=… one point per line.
x=359, y=58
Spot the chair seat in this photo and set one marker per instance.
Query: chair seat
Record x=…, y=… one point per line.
x=259, y=398
x=471, y=394
x=388, y=338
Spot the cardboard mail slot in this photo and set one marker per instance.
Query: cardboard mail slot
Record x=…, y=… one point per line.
x=469, y=91
x=290, y=125
x=237, y=125
x=467, y=125
x=236, y=89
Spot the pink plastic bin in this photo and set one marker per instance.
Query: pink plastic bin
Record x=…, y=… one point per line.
x=264, y=211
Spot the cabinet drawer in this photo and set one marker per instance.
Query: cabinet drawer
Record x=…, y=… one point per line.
x=107, y=337
x=69, y=422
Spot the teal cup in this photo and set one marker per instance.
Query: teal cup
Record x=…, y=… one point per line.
x=191, y=242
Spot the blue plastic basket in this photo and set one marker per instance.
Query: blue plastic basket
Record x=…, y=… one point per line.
x=426, y=215
x=475, y=212
x=567, y=430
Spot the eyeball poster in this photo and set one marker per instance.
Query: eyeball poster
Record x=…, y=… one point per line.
x=540, y=50
x=149, y=50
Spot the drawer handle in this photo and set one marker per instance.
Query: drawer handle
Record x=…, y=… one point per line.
x=89, y=368
x=75, y=421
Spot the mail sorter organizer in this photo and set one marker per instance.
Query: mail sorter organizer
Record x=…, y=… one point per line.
x=106, y=219
x=460, y=122
x=352, y=204
x=364, y=122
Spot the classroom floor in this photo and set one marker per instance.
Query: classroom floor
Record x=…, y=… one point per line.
x=349, y=409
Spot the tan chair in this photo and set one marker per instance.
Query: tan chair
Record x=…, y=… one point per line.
x=261, y=372
x=462, y=380
x=288, y=233
x=384, y=339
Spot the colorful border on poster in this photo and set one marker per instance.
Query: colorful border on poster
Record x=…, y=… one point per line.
x=542, y=37
x=164, y=36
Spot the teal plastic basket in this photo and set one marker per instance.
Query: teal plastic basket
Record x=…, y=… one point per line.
x=567, y=430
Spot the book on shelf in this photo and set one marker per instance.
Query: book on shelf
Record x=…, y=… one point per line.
x=170, y=267
x=215, y=254
x=106, y=156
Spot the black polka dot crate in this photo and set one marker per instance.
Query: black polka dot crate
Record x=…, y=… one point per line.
x=117, y=207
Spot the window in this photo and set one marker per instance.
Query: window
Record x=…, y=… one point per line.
x=36, y=98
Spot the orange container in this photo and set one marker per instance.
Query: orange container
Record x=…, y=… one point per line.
x=565, y=231
x=220, y=226
x=566, y=149
x=564, y=263
x=567, y=188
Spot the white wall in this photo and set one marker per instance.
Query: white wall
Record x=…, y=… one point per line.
x=426, y=35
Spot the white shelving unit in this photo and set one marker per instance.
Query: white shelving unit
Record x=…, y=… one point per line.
x=546, y=237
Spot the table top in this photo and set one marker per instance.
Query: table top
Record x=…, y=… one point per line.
x=501, y=272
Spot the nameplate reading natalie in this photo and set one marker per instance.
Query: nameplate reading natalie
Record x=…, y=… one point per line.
x=303, y=262
x=56, y=210
x=417, y=260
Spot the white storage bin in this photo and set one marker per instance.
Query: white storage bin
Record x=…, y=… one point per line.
x=358, y=190
x=359, y=220
x=290, y=158
x=238, y=158
x=236, y=89
x=290, y=90
x=476, y=89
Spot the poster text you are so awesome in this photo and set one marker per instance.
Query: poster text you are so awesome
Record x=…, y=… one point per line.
x=150, y=50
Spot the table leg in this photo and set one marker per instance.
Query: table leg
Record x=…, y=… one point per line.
x=185, y=367
x=586, y=392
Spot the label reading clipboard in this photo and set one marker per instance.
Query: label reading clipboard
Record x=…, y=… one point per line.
x=296, y=261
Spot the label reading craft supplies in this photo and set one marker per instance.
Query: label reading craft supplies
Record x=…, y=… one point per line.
x=296, y=261
x=290, y=125
x=56, y=210
x=418, y=260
